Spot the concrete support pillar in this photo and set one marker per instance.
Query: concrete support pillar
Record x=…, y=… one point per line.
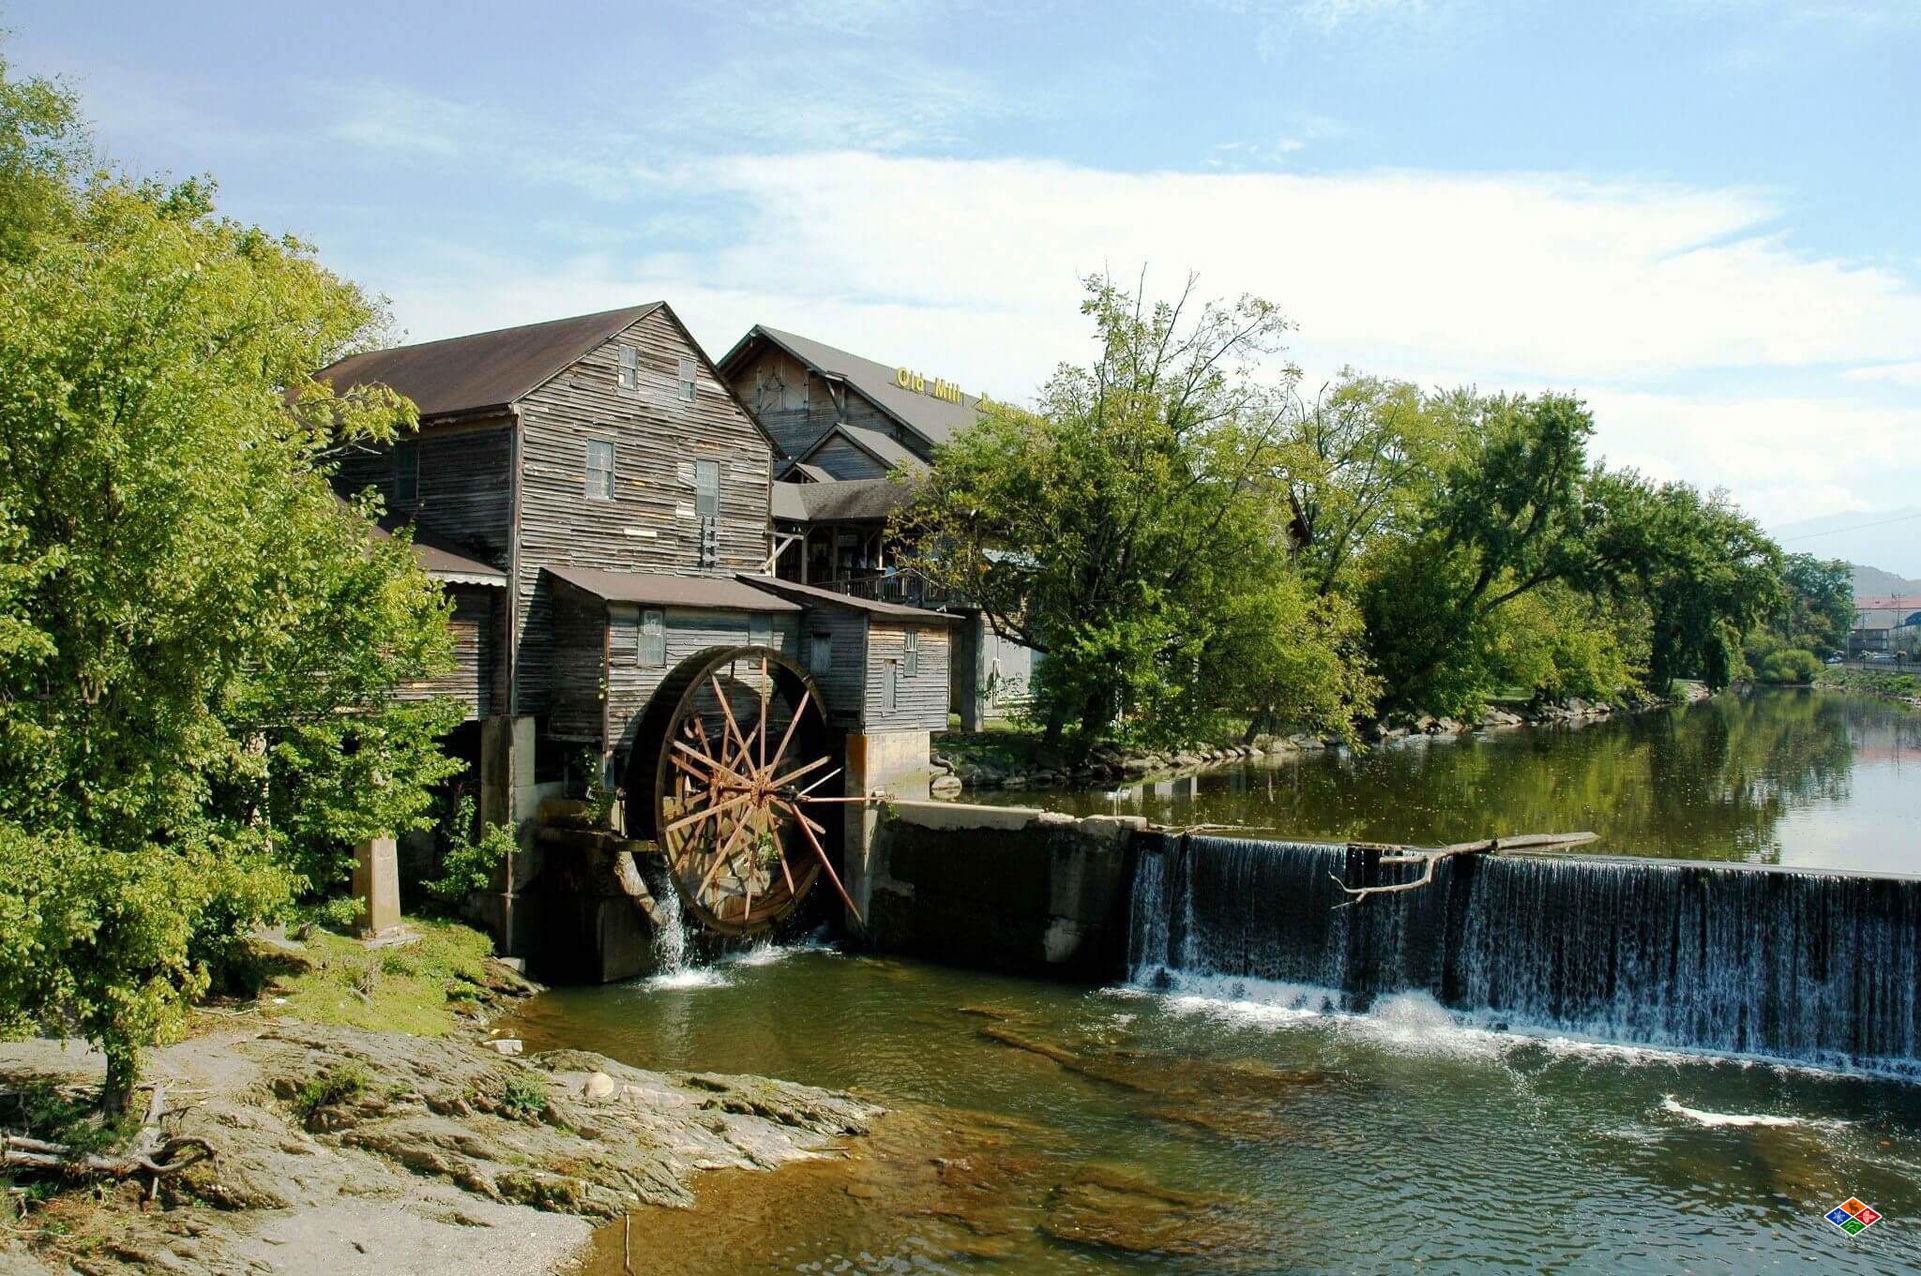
x=508, y=796
x=897, y=763
x=970, y=670
x=377, y=885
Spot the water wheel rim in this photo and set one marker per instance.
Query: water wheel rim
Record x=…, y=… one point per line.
x=743, y=747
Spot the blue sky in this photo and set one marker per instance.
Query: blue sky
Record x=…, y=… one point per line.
x=1705, y=215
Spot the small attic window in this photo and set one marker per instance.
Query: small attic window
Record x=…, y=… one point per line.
x=688, y=372
x=629, y=368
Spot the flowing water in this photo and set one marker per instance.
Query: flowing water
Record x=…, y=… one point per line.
x=1276, y=1090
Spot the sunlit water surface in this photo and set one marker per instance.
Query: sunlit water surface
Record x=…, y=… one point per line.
x=1393, y=1141
x=1793, y=777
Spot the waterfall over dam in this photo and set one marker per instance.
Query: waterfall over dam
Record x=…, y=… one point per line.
x=1804, y=966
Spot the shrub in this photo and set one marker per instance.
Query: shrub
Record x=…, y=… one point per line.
x=342, y=1083
x=1788, y=666
x=523, y=1097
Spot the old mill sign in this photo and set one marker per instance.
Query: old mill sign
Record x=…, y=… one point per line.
x=908, y=379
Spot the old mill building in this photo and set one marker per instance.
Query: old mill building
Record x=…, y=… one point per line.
x=854, y=433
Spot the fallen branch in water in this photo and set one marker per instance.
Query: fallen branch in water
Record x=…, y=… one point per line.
x=1428, y=859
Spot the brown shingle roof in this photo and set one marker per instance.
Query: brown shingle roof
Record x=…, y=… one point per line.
x=485, y=369
x=665, y=589
x=840, y=500
x=814, y=596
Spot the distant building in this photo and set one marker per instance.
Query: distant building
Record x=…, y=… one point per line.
x=856, y=432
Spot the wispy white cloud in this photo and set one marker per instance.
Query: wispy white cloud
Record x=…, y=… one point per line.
x=1897, y=373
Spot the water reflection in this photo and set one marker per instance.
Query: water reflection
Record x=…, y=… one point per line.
x=1770, y=777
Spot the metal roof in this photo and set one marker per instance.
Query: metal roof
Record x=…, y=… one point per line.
x=841, y=500
x=935, y=420
x=814, y=596
x=787, y=504
x=444, y=560
x=485, y=369
x=665, y=589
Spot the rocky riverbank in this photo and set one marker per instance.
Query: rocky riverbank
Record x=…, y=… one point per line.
x=979, y=761
x=341, y=1149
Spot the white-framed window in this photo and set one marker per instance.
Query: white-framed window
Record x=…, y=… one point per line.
x=910, y=654
x=600, y=470
x=760, y=630
x=653, y=640
x=820, y=653
x=707, y=489
x=406, y=476
x=629, y=368
x=689, y=371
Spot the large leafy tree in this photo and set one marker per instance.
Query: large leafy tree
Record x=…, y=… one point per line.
x=1820, y=602
x=1128, y=528
x=197, y=639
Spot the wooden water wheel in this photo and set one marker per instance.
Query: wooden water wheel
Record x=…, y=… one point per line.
x=736, y=775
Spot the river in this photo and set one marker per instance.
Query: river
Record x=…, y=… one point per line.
x=1051, y=1129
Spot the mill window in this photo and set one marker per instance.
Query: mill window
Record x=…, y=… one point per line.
x=820, y=653
x=406, y=476
x=760, y=631
x=687, y=374
x=653, y=640
x=910, y=657
x=707, y=489
x=600, y=470
x=629, y=368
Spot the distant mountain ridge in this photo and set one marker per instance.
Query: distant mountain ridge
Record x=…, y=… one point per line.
x=1890, y=538
x=1872, y=582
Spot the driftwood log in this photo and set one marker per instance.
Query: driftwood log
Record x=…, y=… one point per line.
x=1427, y=859
x=149, y=1154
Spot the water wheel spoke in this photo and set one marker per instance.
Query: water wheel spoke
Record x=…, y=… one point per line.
x=799, y=771
x=742, y=752
x=800, y=711
x=808, y=792
x=760, y=727
x=800, y=815
x=717, y=769
x=722, y=856
x=708, y=812
x=828, y=864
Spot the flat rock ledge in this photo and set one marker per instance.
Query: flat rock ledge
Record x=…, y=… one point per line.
x=342, y=1151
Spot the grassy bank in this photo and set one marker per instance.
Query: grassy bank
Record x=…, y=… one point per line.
x=1885, y=684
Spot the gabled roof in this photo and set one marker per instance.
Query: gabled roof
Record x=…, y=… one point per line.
x=485, y=370
x=840, y=500
x=935, y=420
x=665, y=589
x=800, y=471
x=814, y=596
x=889, y=451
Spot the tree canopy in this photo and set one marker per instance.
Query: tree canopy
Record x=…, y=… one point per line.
x=1190, y=543
x=198, y=641
x=1128, y=529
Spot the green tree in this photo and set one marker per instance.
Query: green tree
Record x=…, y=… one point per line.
x=1510, y=518
x=1820, y=602
x=1359, y=464
x=199, y=639
x=1705, y=570
x=1126, y=527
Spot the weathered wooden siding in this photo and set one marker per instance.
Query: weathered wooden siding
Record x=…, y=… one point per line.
x=650, y=524
x=465, y=496
x=477, y=633
x=785, y=398
x=631, y=685
x=844, y=683
x=921, y=700
x=575, y=665
x=845, y=461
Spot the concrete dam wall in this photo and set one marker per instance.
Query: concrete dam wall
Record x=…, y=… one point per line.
x=1803, y=966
